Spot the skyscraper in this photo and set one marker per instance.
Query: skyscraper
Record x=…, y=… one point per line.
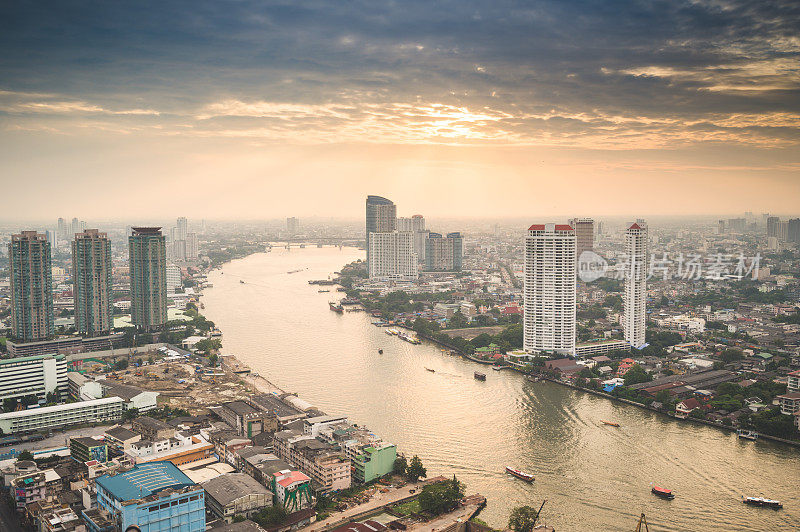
x=182, y=228
x=62, y=228
x=148, y=272
x=772, y=226
x=793, y=229
x=584, y=234
x=549, y=297
x=415, y=224
x=381, y=218
x=292, y=226
x=443, y=254
x=74, y=229
x=635, y=307
x=192, y=250
x=30, y=275
x=92, y=285
x=391, y=256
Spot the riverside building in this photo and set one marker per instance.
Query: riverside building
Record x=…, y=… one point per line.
x=443, y=254
x=148, y=272
x=381, y=216
x=391, y=256
x=550, y=291
x=635, y=303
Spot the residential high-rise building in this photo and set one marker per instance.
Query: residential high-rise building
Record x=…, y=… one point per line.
x=635, y=304
x=52, y=237
x=192, y=250
x=584, y=234
x=391, y=256
x=92, y=285
x=381, y=217
x=793, y=230
x=292, y=226
x=443, y=254
x=74, y=228
x=174, y=280
x=737, y=225
x=148, y=273
x=550, y=289
x=783, y=231
x=772, y=226
x=62, y=228
x=181, y=228
x=415, y=224
x=30, y=276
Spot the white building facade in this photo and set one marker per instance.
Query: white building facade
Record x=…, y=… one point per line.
x=391, y=256
x=635, y=309
x=549, y=298
x=34, y=375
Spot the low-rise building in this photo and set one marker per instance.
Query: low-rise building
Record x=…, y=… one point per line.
x=180, y=449
x=141, y=400
x=790, y=403
x=235, y=494
x=120, y=439
x=107, y=409
x=153, y=496
x=88, y=449
x=292, y=490
x=600, y=347
x=152, y=429
x=793, y=384
x=321, y=461
x=247, y=418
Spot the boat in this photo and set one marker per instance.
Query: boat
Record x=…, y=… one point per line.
x=322, y=291
x=431, y=370
x=747, y=434
x=391, y=332
x=480, y=376
x=662, y=492
x=761, y=501
x=380, y=351
x=408, y=338
x=336, y=307
x=527, y=477
x=609, y=423
x=241, y=281
x=295, y=271
x=496, y=368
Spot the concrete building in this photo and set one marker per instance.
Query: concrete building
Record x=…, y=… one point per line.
x=443, y=254
x=67, y=345
x=292, y=226
x=120, y=439
x=321, y=461
x=30, y=277
x=601, y=347
x=371, y=457
x=292, y=490
x=173, y=278
x=247, y=419
x=148, y=273
x=154, y=496
x=192, y=247
x=772, y=226
x=416, y=225
x=635, y=301
x=235, y=494
x=550, y=289
x=92, y=286
x=391, y=256
x=381, y=217
x=87, y=449
x=152, y=429
x=584, y=235
x=142, y=400
x=34, y=375
x=107, y=409
x=63, y=233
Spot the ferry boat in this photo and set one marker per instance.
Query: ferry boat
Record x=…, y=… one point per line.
x=391, y=332
x=408, y=338
x=747, y=434
x=480, y=376
x=336, y=307
x=527, y=477
x=431, y=370
x=761, y=501
x=663, y=493
x=610, y=423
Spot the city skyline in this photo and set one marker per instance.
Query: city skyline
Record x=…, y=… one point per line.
x=243, y=111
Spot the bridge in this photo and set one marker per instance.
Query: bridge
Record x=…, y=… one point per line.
x=303, y=242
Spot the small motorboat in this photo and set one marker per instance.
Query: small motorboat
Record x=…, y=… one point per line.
x=241, y=281
x=480, y=376
x=610, y=423
x=761, y=501
x=496, y=368
x=663, y=493
x=431, y=370
x=747, y=434
x=380, y=351
x=527, y=477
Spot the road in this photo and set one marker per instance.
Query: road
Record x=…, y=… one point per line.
x=377, y=501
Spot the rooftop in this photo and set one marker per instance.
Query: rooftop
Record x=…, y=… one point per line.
x=60, y=408
x=227, y=488
x=144, y=480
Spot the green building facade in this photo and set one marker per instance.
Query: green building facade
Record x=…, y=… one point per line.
x=31, y=278
x=92, y=285
x=147, y=250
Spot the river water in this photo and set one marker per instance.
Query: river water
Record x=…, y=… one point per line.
x=594, y=477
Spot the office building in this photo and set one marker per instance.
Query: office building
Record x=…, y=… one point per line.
x=182, y=228
x=148, y=273
x=721, y=227
x=92, y=285
x=584, y=234
x=153, y=496
x=34, y=375
x=736, y=225
x=102, y=410
x=391, y=256
x=772, y=226
x=292, y=226
x=550, y=290
x=381, y=218
x=635, y=303
x=30, y=276
x=443, y=253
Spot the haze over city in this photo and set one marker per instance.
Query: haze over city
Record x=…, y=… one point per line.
x=252, y=109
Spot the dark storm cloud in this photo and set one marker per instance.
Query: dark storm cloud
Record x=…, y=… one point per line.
x=564, y=72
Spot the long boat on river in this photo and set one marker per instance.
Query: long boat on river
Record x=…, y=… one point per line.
x=761, y=501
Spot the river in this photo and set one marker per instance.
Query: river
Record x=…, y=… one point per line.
x=594, y=477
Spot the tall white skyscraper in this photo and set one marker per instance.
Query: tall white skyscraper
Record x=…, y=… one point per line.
x=182, y=228
x=415, y=224
x=391, y=256
x=549, y=298
x=635, y=317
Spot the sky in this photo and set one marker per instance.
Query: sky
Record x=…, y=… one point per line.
x=263, y=109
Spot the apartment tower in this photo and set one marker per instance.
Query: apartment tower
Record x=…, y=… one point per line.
x=549, y=297
x=30, y=276
x=381, y=218
x=148, y=271
x=635, y=309
x=92, y=285
x=584, y=234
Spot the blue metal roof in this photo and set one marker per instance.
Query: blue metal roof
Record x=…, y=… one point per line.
x=144, y=480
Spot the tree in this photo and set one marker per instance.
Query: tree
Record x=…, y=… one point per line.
x=663, y=397
x=271, y=515
x=635, y=375
x=212, y=359
x=523, y=518
x=400, y=465
x=731, y=355
x=25, y=455
x=441, y=496
x=131, y=413
x=458, y=321
x=415, y=469
x=121, y=364
x=207, y=345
